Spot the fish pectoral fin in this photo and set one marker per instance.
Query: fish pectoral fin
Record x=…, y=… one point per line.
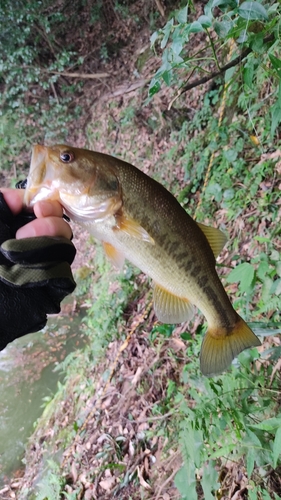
x=132, y=228
x=219, y=347
x=116, y=257
x=216, y=238
x=169, y=308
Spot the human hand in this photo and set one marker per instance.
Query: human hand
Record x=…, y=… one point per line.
x=49, y=214
x=35, y=258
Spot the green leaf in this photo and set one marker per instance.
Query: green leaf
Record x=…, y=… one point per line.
x=243, y=37
x=230, y=154
x=229, y=74
x=186, y=336
x=253, y=438
x=224, y=451
x=250, y=461
x=154, y=87
x=253, y=11
x=244, y=273
x=166, y=30
x=248, y=74
x=276, y=447
x=270, y=424
x=210, y=480
x=153, y=38
x=185, y=482
x=228, y=194
x=181, y=15
x=214, y=189
x=253, y=495
x=205, y=21
x=276, y=288
x=266, y=288
x=224, y=3
x=167, y=77
x=276, y=63
x=177, y=45
x=222, y=28
x=275, y=117
x=195, y=27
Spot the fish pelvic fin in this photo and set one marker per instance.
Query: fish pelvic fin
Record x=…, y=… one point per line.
x=216, y=238
x=170, y=308
x=219, y=349
x=116, y=257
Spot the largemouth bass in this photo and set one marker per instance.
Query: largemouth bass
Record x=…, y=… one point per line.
x=137, y=218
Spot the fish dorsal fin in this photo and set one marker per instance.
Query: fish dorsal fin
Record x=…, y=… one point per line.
x=216, y=238
x=169, y=308
x=116, y=257
x=132, y=228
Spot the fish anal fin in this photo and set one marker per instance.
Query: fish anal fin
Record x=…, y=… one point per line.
x=132, y=228
x=220, y=347
x=216, y=238
x=170, y=308
x=116, y=257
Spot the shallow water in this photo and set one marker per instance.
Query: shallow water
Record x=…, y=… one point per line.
x=27, y=376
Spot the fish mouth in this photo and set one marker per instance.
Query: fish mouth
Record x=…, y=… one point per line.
x=39, y=182
x=48, y=179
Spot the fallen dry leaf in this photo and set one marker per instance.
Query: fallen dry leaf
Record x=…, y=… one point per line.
x=142, y=480
x=107, y=484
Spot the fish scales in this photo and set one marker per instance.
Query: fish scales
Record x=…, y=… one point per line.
x=137, y=218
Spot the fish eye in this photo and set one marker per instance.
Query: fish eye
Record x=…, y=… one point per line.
x=67, y=157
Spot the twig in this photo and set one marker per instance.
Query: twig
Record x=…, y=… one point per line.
x=151, y=419
x=168, y=480
x=160, y=8
x=94, y=76
x=229, y=65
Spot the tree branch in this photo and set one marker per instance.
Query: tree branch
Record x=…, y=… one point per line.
x=229, y=65
x=94, y=76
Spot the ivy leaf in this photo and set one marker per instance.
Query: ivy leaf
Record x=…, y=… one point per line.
x=195, y=27
x=205, y=21
x=181, y=15
x=153, y=38
x=224, y=3
x=166, y=30
x=253, y=11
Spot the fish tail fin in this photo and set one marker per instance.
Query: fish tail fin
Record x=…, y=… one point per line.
x=220, y=348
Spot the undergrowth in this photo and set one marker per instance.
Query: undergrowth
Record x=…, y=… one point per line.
x=232, y=423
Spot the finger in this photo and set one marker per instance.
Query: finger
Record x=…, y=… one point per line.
x=48, y=209
x=47, y=226
x=14, y=199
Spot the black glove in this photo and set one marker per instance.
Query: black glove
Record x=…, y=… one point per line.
x=35, y=276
